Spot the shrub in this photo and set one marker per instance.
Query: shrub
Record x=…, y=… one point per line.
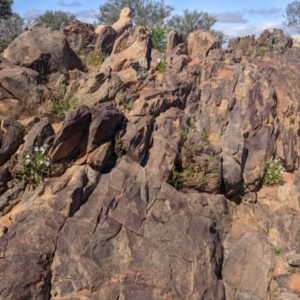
x=92, y=58
x=62, y=105
x=273, y=175
x=35, y=166
x=162, y=65
x=276, y=250
x=158, y=37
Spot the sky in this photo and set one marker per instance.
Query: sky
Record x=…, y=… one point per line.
x=235, y=17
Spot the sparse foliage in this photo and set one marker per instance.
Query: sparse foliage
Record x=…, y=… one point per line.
x=145, y=12
x=5, y=8
x=10, y=28
x=56, y=19
x=292, y=15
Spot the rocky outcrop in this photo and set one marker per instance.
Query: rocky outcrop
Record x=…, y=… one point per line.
x=156, y=183
x=200, y=42
x=80, y=36
x=124, y=22
x=271, y=40
x=44, y=50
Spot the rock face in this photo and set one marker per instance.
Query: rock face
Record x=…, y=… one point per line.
x=44, y=50
x=156, y=183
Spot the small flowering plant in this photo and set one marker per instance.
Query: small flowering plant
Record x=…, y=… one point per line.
x=35, y=166
x=273, y=175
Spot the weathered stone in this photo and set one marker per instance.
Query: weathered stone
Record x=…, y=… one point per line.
x=200, y=42
x=132, y=48
x=124, y=21
x=72, y=138
x=13, y=133
x=102, y=127
x=44, y=50
x=21, y=92
x=173, y=39
x=105, y=39
x=246, y=269
x=79, y=35
x=294, y=260
x=136, y=140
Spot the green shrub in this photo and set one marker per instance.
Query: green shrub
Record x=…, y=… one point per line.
x=35, y=167
x=162, y=65
x=158, y=37
x=273, y=175
x=118, y=146
x=92, y=58
x=61, y=107
x=276, y=250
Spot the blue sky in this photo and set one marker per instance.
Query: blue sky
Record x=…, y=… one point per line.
x=235, y=17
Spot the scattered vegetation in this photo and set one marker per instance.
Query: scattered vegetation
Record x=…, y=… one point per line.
x=10, y=28
x=62, y=105
x=292, y=15
x=5, y=8
x=273, y=175
x=93, y=58
x=144, y=13
x=190, y=145
x=118, y=146
x=123, y=99
x=35, y=167
x=56, y=19
x=194, y=20
x=276, y=250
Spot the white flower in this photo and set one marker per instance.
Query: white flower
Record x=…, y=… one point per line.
x=47, y=163
x=27, y=161
x=36, y=149
x=42, y=149
x=158, y=60
x=27, y=156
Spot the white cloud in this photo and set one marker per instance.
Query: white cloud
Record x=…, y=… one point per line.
x=230, y=17
x=87, y=16
x=72, y=4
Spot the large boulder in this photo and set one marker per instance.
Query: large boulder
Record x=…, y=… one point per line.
x=21, y=92
x=131, y=49
x=79, y=35
x=200, y=42
x=44, y=50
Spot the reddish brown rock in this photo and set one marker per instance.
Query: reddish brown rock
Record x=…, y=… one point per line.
x=200, y=42
x=44, y=50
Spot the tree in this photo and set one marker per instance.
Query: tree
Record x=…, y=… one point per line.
x=56, y=19
x=5, y=8
x=145, y=12
x=292, y=15
x=10, y=28
x=194, y=20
